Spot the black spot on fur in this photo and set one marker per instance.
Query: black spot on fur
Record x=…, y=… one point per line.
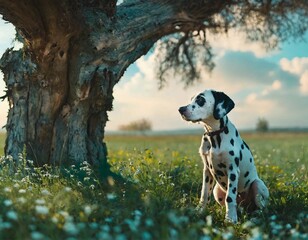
x=211, y=181
x=246, y=145
x=229, y=200
x=227, y=104
x=231, y=153
x=232, y=142
x=230, y=185
x=236, y=133
x=219, y=199
x=224, y=184
x=220, y=173
x=246, y=174
x=213, y=142
x=200, y=100
x=234, y=190
x=242, y=146
x=226, y=131
x=247, y=182
x=231, y=167
x=236, y=161
x=250, y=159
x=222, y=124
x=241, y=155
x=211, y=166
x=207, y=179
x=218, y=140
x=232, y=177
x=221, y=165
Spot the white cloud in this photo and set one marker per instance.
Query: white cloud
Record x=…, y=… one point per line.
x=236, y=40
x=304, y=83
x=297, y=66
x=277, y=85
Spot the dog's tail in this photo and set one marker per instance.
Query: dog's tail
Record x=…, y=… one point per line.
x=261, y=193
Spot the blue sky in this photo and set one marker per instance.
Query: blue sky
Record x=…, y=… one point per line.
x=272, y=85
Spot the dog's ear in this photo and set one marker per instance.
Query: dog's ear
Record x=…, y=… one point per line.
x=223, y=104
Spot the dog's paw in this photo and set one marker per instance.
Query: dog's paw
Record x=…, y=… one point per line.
x=231, y=219
x=231, y=216
x=261, y=202
x=200, y=208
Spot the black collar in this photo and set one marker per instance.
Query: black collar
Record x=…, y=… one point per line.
x=214, y=133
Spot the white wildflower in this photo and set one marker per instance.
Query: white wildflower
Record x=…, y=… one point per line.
x=111, y=196
x=105, y=228
x=40, y=201
x=37, y=235
x=67, y=189
x=43, y=210
x=70, y=228
x=7, y=189
x=87, y=210
x=120, y=237
x=5, y=225
x=149, y=222
x=22, y=191
x=108, y=220
x=22, y=200
x=12, y=215
x=66, y=216
x=209, y=220
x=45, y=192
x=54, y=220
x=94, y=225
x=146, y=236
x=256, y=234
x=7, y=202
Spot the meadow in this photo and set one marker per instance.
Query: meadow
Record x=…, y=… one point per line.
x=157, y=197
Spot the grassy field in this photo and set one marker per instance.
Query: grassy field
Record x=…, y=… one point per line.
x=158, y=199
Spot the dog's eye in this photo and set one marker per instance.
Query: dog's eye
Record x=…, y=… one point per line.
x=200, y=101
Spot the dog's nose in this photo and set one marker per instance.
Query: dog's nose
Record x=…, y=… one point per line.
x=182, y=110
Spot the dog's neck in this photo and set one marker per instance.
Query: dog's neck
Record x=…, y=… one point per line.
x=214, y=127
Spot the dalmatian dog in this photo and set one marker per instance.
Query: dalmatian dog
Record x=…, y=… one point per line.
x=229, y=170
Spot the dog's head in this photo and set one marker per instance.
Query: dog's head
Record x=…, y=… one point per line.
x=206, y=105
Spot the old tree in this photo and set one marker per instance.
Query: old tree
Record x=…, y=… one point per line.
x=60, y=84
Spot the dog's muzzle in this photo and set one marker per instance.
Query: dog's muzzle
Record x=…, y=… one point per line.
x=182, y=111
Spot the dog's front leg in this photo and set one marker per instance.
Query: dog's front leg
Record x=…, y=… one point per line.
x=207, y=187
x=231, y=212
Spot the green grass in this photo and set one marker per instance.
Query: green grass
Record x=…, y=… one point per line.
x=158, y=199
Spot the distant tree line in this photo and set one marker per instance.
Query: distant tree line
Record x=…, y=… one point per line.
x=141, y=125
x=262, y=125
